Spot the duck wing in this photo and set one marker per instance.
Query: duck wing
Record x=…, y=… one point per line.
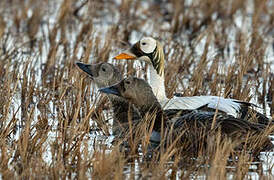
x=232, y=107
x=227, y=123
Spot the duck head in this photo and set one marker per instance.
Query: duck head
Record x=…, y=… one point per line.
x=103, y=74
x=135, y=90
x=139, y=93
x=148, y=50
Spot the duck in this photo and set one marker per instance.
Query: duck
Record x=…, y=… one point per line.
x=150, y=51
x=138, y=92
x=103, y=75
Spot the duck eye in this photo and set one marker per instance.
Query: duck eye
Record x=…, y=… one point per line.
x=143, y=43
x=103, y=69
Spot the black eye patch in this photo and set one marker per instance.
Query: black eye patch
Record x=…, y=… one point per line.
x=137, y=51
x=152, y=55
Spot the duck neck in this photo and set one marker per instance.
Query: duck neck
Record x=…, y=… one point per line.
x=148, y=110
x=157, y=82
x=121, y=110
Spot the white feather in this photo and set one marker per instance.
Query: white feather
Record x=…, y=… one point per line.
x=147, y=44
x=157, y=83
x=227, y=105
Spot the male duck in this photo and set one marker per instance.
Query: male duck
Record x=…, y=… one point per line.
x=151, y=51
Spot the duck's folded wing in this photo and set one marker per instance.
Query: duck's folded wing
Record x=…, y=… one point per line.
x=228, y=123
x=230, y=106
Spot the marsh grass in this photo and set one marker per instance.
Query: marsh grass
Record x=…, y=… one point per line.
x=54, y=123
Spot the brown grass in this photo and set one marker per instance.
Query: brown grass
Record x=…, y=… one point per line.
x=53, y=123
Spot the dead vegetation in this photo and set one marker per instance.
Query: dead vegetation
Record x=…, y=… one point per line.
x=51, y=124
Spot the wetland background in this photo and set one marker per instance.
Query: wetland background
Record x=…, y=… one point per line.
x=54, y=123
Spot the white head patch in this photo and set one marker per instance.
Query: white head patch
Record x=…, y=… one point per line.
x=147, y=44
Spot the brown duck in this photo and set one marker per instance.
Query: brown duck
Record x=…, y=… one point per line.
x=138, y=92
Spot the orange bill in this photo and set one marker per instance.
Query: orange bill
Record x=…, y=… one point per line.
x=124, y=56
